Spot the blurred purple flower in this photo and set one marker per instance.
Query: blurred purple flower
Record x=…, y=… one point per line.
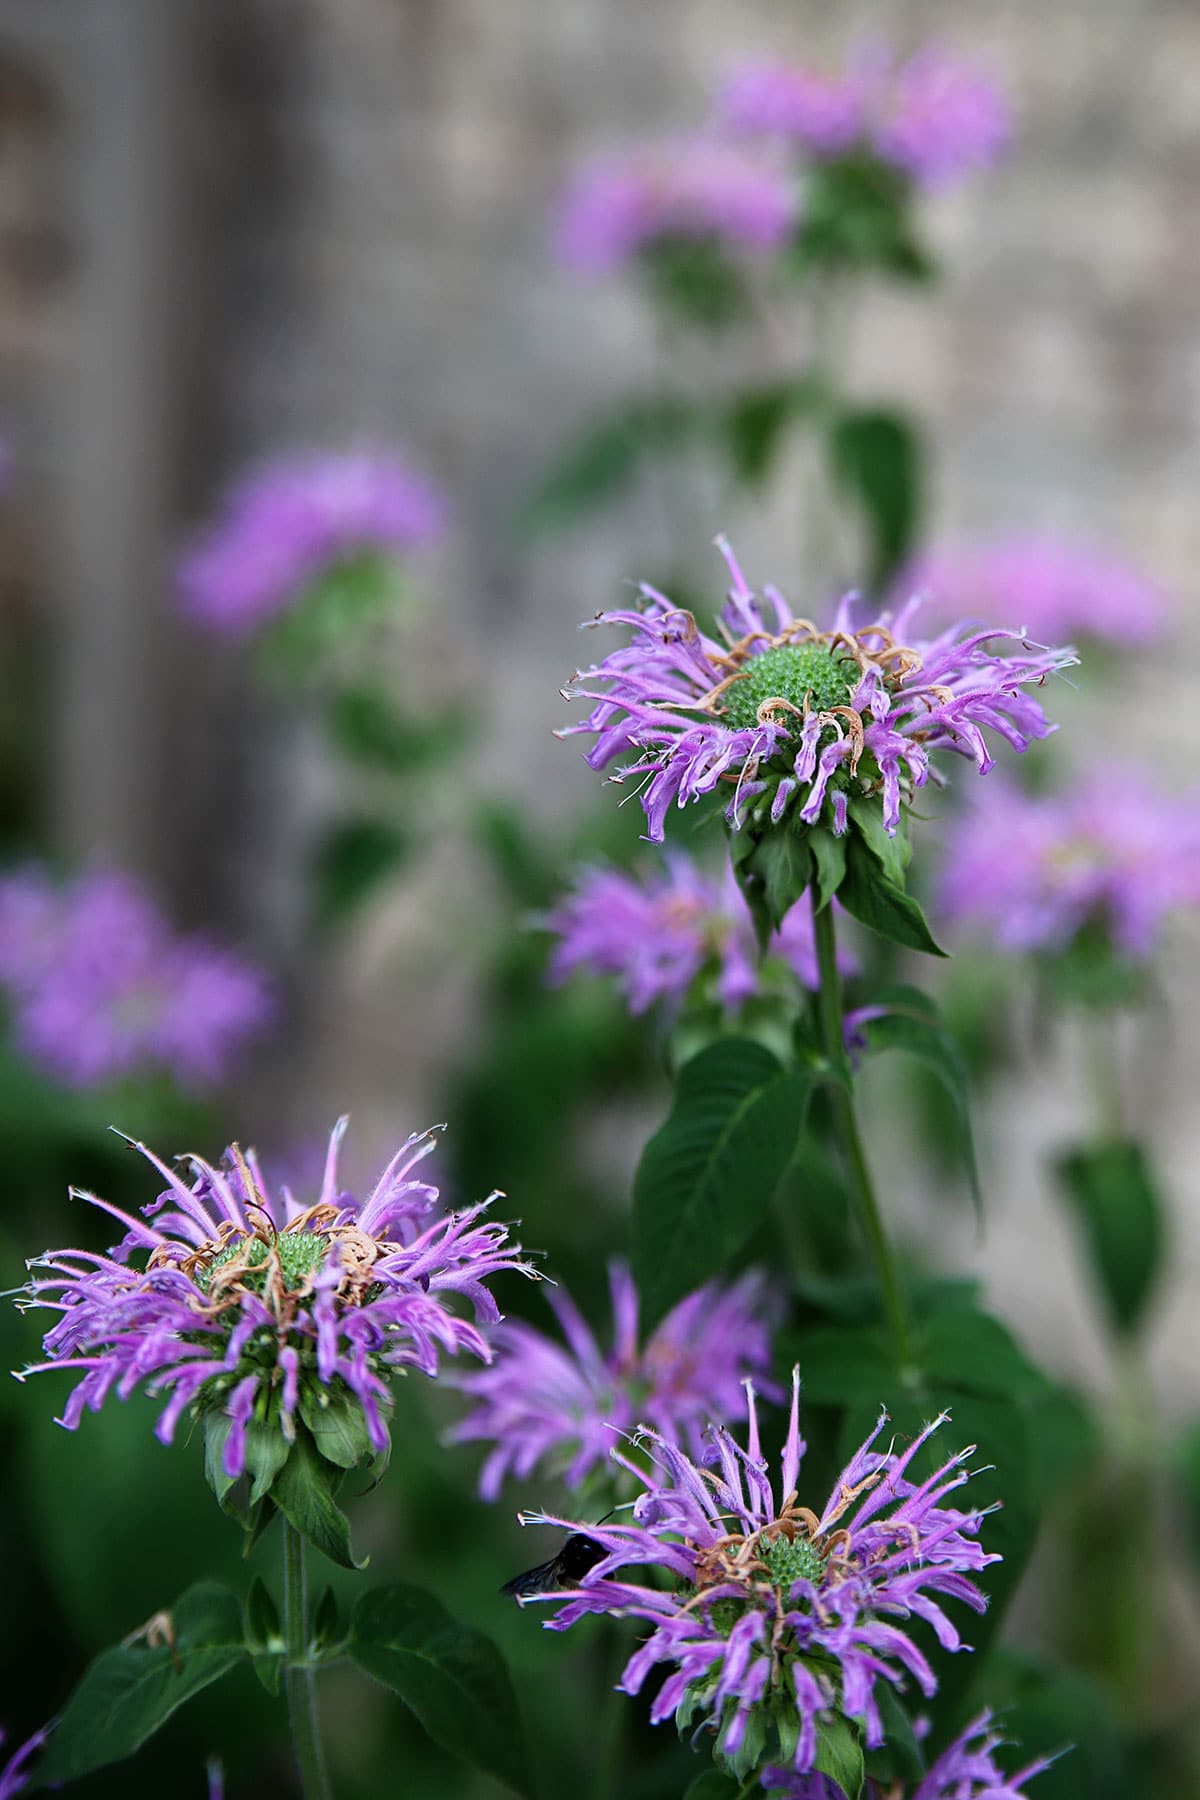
x=1052, y=588
x=657, y=933
x=1113, y=851
x=15, y=1772
x=690, y=188
x=101, y=989
x=262, y=1311
x=932, y=116
x=767, y=1604
x=966, y=1770
x=795, y=719
x=556, y=1409
x=285, y=526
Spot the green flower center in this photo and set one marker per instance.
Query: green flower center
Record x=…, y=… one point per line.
x=792, y=672
x=300, y=1253
x=791, y=1559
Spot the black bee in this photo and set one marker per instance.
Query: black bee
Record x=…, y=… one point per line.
x=566, y=1569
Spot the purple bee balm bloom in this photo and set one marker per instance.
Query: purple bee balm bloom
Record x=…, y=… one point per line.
x=1114, y=851
x=284, y=527
x=795, y=719
x=102, y=989
x=1050, y=587
x=966, y=1770
x=554, y=1408
x=768, y=1606
x=934, y=117
x=237, y=1303
x=15, y=1773
x=658, y=933
x=690, y=188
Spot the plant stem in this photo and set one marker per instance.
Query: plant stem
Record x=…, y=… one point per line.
x=298, y=1677
x=846, y=1121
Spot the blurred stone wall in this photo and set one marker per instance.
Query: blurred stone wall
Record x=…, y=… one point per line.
x=370, y=226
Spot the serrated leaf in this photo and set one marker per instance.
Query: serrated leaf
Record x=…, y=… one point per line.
x=972, y=1351
x=131, y=1690
x=304, y=1492
x=262, y=1615
x=1117, y=1207
x=773, y=870
x=353, y=857
x=911, y=1024
x=709, y=1173
x=876, y=460
x=839, y=1365
x=868, y=896
x=452, y=1679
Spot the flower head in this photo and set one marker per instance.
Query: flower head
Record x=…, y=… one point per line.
x=1112, y=853
x=554, y=1408
x=1047, y=586
x=966, y=1770
x=798, y=719
x=772, y=1609
x=681, y=189
x=101, y=989
x=933, y=116
x=265, y=1316
x=284, y=527
x=657, y=934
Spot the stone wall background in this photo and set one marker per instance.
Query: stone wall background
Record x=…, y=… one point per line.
x=228, y=226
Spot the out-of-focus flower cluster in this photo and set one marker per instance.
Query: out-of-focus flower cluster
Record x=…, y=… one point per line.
x=658, y=933
x=680, y=189
x=1112, y=853
x=1051, y=588
x=966, y=1770
x=267, y=1317
x=776, y=1618
x=932, y=116
x=557, y=1409
x=100, y=988
x=288, y=525
x=796, y=721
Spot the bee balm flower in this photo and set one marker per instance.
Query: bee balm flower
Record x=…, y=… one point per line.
x=773, y=1608
x=268, y=1318
x=966, y=1770
x=800, y=720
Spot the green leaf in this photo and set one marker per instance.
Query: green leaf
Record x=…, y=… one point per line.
x=601, y=465
x=351, y=860
x=453, y=1679
x=773, y=869
x=840, y=1365
x=829, y=854
x=1187, y=1471
x=708, y=1175
x=364, y=724
x=756, y=420
x=893, y=852
x=712, y=1785
x=1120, y=1214
x=131, y=1690
x=1064, y=1440
x=338, y=1426
x=876, y=461
x=840, y=1754
x=911, y=1024
x=972, y=1351
x=868, y=896
x=304, y=1492
x=898, y=1757
x=264, y=1636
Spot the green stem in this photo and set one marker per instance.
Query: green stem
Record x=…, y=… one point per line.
x=298, y=1678
x=829, y=1002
